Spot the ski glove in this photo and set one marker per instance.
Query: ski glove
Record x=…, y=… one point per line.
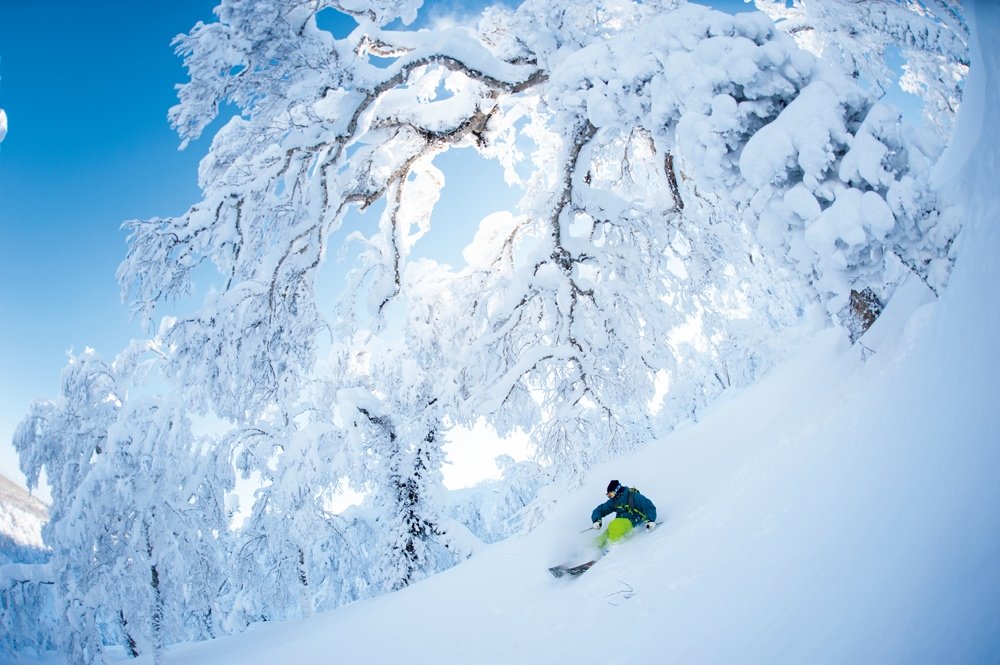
x=650, y=526
x=597, y=525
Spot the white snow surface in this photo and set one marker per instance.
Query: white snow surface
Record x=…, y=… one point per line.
x=21, y=515
x=844, y=509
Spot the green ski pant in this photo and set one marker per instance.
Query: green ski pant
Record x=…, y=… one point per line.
x=617, y=529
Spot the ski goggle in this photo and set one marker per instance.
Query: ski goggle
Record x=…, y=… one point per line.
x=611, y=494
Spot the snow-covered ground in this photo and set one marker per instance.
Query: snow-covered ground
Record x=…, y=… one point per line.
x=845, y=509
x=21, y=519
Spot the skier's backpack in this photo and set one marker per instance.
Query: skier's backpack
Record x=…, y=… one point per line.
x=631, y=503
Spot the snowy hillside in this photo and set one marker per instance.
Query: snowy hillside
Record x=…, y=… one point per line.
x=842, y=510
x=21, y=519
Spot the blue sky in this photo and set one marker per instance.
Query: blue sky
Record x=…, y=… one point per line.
x=86, y=87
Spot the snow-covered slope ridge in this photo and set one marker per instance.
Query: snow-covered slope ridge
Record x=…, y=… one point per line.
x=21, y=519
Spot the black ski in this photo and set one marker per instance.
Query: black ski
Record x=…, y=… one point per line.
x=559, y=571
x=573, y=571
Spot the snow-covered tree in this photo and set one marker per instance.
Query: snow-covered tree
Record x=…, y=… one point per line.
x=136, y=515
x=396, y=439
x=64, y=437
x=167, y=515
x=404, y=387
x=495, y=510
x=285, y=556
x=633, y=109
x=931, y=37
x=27, y=612
x=576, y=298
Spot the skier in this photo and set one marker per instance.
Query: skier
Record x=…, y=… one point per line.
x=630, y=508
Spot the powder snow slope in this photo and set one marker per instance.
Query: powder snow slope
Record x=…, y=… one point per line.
x=845, y=509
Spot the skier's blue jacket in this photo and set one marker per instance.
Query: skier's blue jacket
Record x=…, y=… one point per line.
x=628, y=503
